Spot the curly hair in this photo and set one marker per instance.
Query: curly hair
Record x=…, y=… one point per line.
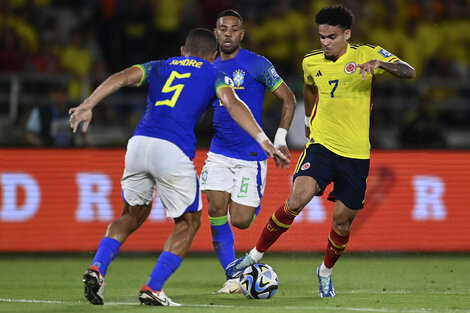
x=335, y=16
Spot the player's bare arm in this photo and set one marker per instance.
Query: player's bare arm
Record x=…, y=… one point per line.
x=400, y=68
x=83, y=113
x=242, y=115
x=310, y=95
x=284, y=93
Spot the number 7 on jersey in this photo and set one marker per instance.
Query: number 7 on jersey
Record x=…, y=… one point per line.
x=334, y=87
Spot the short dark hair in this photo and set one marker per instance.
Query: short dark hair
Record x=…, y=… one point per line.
x=200, y=42
x=335, y=16
x=230, y=12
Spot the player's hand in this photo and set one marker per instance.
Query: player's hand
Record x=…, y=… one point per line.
x=368, y=67
x=276, y=154
x=307, y=132
x=284, y=150
x=81, y=114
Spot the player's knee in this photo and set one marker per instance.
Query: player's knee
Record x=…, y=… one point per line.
x=215, y=210
x=240, y=223
x=194, y=223
x=342, y=227
x=296, y=204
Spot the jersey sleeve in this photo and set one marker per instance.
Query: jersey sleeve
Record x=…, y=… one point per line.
x=308, y=79
x=222, y=80
x=381, y=54
x=266, y=74
x=146, y=70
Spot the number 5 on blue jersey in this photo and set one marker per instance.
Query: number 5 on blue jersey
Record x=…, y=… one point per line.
x=169, y=88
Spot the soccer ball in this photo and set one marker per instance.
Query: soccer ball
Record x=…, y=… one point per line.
x=259, y=281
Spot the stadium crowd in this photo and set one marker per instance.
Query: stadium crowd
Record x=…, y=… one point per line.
x=88, y=39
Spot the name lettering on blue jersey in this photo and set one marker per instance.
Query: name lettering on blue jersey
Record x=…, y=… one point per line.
x=187, y=62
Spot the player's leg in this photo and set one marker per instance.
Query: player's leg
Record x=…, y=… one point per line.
x=249, y=185
x=117, y=233
x=338, y=237
x=247, y=192
x=348, y=194
x=222, y=235
x=217, y=180
x=303, y=190
x=337, y=240
x=309, y=180
x=178, y=188
x=176, y=246
x=137, y=206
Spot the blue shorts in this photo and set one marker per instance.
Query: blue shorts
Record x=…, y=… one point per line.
x=348, y=175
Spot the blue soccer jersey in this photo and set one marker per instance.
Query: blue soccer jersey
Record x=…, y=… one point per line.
x=251, y=74
x=180, y=90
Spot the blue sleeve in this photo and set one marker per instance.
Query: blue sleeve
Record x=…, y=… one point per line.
x=222, y=80
x=146, y=70
x=266, y=74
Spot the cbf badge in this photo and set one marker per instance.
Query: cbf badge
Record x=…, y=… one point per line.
x=350, y=68
x=238, y=77
x=204, y=176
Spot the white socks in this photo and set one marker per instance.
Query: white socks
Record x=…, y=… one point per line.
x=325, y=271
x=256, y=255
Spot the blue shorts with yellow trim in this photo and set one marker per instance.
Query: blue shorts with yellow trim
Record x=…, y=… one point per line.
x=348, y=175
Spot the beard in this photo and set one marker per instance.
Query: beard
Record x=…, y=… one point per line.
x=330, y=57
x=229, y=50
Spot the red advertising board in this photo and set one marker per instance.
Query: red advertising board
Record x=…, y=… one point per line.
x=62, y=200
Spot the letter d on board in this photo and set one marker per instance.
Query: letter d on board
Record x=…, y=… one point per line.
x=10, y=210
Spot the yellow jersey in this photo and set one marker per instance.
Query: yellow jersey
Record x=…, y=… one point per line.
x=341, y=115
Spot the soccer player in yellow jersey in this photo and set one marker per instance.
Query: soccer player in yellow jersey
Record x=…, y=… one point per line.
x=338, y=101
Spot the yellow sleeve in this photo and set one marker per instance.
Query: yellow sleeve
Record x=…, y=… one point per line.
x=381, y=54
x=308, y=79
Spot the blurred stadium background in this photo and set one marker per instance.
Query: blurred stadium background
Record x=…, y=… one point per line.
x=48, y=44
x=54, y=52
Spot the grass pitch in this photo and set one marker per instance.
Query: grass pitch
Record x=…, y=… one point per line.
x=363, y=282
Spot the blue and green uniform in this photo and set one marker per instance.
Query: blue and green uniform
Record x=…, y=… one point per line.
x=252, y=74
x=180, y=90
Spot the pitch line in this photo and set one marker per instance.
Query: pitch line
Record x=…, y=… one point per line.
x=317, y=308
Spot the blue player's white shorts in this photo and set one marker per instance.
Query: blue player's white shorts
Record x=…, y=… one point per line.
x=244, y=180
x=154, y=162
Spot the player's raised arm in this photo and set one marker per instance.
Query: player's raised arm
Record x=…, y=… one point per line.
x=83, y=113
x=242, y=115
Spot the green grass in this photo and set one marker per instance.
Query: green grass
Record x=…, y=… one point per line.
x=363, y=282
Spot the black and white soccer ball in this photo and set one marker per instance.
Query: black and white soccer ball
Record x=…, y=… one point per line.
x=259, y=281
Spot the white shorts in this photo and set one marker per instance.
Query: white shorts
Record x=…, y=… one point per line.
x=154, y=162
x=244, y=180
